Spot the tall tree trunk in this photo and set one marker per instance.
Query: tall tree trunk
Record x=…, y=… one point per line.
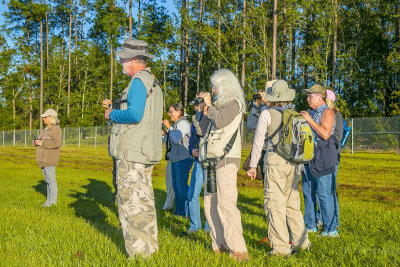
x=275, y=25
x=69, y=64
x=186, y=49
x=397, y=27
x=293, y=54
x=130, y=20
x=76, y=42
x=47, y=46
x=41, y=73
x=112, y=70
x=199, y=56
x=384, y=104
x=27, y=71
x=285, y=44
x=244, y=45
x=333, y=79
x=139, y=17
x=219, y=34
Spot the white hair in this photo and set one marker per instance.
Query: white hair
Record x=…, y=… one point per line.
x=228, y=87
x=53, y=120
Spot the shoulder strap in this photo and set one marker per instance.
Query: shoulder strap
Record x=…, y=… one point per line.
x=267, y=138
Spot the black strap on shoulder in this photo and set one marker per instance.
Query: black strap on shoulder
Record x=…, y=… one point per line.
x=155, y=83
x=229, y=145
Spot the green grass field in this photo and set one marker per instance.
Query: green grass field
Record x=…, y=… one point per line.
x=83, y=229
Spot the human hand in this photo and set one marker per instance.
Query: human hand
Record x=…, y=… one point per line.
x=38, y=142
x=306, y=115
x=107, y=113
x=207, y=98
x=262, y=94
x=195, y=152
x=106, y=103
x=166, y=123
x=252, y=173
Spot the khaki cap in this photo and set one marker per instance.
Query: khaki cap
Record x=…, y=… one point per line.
x=316, y=89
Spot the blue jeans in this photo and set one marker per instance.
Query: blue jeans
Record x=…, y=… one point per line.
x=180, y=176
x=336, y=199
x=322, y=189
x=49, y=174
x=196, y=183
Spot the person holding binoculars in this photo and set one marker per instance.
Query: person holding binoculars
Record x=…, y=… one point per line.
x=220, y=153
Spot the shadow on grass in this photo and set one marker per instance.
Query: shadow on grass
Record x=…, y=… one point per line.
x=41, y=188
x=90, y=206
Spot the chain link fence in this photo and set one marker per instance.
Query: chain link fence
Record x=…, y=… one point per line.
x=367, y=134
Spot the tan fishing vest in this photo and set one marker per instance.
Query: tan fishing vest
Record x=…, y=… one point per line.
x=213, y=144
x=140, y=142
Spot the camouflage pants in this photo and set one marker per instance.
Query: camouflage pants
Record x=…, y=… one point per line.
x=136, y=208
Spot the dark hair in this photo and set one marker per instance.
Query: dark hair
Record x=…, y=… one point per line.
x=178, y=107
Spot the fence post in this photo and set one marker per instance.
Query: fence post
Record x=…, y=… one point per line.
x=352, y=136
x=64, y=137
x=25, y=138
x=79, y=136
x=14, y=138
x=95, y=137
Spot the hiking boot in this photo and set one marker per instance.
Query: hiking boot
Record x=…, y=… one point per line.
x=329, y=234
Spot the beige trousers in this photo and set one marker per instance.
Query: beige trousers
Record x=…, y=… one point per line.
x=282, y=205
x=223, y=216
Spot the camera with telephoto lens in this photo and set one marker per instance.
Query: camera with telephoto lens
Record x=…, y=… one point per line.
x=257, y=96
x=196, y=101
x=210, y=165
x=34, y=139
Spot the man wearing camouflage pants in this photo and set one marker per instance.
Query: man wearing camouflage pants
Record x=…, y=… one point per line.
x=136, y=145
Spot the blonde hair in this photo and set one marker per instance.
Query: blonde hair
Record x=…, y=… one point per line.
x=228, y=87
x=331, y=105
x=54, y=120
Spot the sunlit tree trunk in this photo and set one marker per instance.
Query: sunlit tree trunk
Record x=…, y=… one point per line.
x=69, y=65
x=199, y=56
x=275, y=24
x=333, y=81
x=244, y=46
x=219, y=34
x=41, y=73
x=130, y=20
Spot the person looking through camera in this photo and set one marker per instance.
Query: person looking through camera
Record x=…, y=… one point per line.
x=221, y=148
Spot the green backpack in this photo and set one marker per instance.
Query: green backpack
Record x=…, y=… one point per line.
x=297, y=143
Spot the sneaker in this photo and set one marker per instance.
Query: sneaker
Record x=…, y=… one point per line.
x=313, y=230
x=329, y=234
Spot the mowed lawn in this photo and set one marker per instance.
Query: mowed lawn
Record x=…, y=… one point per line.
x=83, y=229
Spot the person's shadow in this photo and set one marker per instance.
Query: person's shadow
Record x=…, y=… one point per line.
x=41, y=187
x=90, y=205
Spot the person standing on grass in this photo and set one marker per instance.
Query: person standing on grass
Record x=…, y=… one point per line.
x=281, y=192
x=197, y=179
x=48, y=153
x=330, y=101
x=221, y=124
x=136, y=144
x=318, y=174
x=178, y=140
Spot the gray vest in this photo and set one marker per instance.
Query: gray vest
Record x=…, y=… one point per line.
x=140, y=142
x=179, y=151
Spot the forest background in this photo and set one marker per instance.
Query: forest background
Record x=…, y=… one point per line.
x=60, y=53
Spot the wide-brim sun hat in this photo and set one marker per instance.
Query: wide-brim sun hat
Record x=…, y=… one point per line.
x=134, y=48
x=49, y=112
x=269, y=84
x=280, y=91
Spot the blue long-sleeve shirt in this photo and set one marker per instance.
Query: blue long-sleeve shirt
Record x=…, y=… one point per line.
x=136, y=104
